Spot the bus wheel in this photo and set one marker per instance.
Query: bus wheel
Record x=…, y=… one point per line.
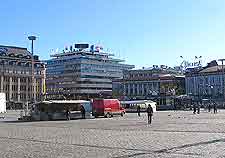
x=122, y=114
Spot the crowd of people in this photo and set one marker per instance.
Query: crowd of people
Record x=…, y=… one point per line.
x=196, y=110
x=210, y=106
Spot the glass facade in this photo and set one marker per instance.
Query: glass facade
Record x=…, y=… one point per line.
x=82, y=74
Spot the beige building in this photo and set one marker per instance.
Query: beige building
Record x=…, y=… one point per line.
x=158, y=84
x=16, y=76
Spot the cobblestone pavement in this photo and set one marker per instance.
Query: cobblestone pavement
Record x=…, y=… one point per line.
x=172, y=134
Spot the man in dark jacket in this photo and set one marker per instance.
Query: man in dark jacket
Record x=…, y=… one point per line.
x=209, y=107
x=83, y=112
x=214, y=108
x=67, y=114
x=150, y=113
x=194, y=108
x=139, y=110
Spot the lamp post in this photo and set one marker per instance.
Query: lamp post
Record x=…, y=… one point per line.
x=32, y=39
x=222, y=85
x=211, y=91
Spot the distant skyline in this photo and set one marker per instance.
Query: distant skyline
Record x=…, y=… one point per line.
x=143, y=32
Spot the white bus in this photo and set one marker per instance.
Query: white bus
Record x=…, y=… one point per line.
x=131, y=106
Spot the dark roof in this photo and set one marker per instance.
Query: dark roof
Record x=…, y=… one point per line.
x=11, y=50
x=212, y=69
x=13, y=47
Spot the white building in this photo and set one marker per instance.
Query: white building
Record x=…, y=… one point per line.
x=82, y=73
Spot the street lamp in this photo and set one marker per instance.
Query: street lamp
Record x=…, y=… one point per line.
x=32, y=39
x=222, y=60
x=211, y=90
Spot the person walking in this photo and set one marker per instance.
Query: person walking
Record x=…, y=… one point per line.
x=150, y=113
x=198, y=111
x=209, y=107
x=139, y=110
x=67, y=114
x=214, y=108
x=83, y=112
x=194, y=108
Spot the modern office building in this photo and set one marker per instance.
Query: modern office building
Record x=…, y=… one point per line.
x=82, y=73
x=16, y=76
x=206, y=83
x=159, y=84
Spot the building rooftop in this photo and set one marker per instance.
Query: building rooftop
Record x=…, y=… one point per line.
x=205, y=70
x=212, y=69
x=14, y=47
x=76, y=52
x=65, y=101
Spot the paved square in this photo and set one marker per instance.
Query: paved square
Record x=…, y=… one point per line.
x=172, y=134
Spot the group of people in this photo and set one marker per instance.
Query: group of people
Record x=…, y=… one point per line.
x=196, y=109
x=214, y=108
x=149, y=111
x=210, y=106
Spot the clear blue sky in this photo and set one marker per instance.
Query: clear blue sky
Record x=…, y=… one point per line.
x=144, y=32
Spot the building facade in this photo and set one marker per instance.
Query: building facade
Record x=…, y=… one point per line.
x=206, y=83
x=156, y=84
x=82, y=73
x=16, y=76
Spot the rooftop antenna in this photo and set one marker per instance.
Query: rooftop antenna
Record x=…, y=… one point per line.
x=52, y=51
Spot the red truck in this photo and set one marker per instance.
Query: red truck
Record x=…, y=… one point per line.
x=107, y=107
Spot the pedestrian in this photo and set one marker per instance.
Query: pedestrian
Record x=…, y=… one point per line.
x=194, y=108
x=214, y=108
x=83, y=112
x=209, y=107
x=198, y=112
x=150, y=113
x=67, y=114
x=139, y=110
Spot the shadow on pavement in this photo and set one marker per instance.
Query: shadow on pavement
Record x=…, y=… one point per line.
x=144, y=151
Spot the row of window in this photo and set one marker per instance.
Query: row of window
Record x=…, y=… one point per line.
x=210, y=79
x=89, y=70
x=194, y=84
x=6, y=87
x=14, y=79
x=138, y=75
x=77, y=88
x=140, y=90
x=22, y=96
x=98, y=77
x=92, y=82
x=105, y=66
x=20, y=64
